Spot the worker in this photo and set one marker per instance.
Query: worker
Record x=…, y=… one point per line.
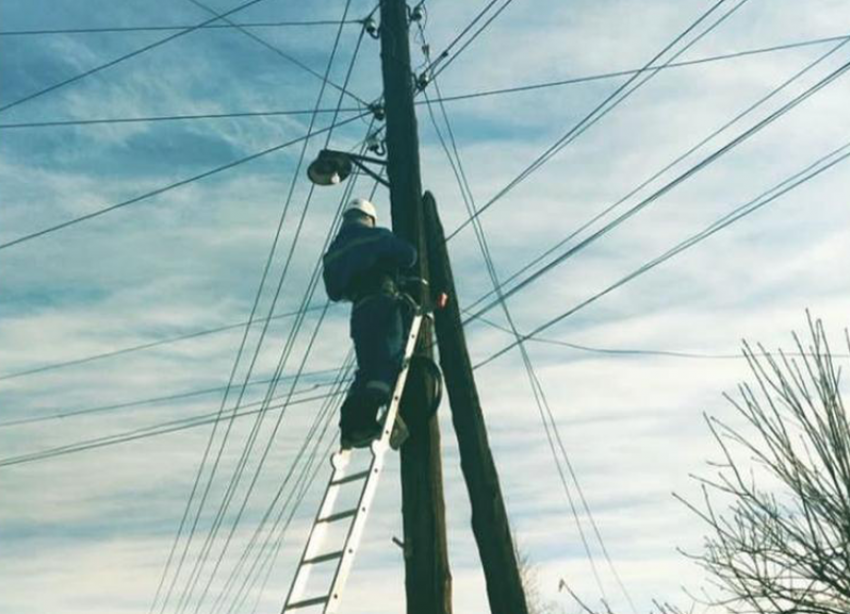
x=363, y=266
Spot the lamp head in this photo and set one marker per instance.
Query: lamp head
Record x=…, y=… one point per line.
x=330, y=167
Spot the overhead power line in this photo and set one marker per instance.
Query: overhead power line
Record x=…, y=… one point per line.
x=308, y=296
x=146, y=432
x=584, y=226
x=171, y=28
x=453, y=98
x=612, y=101
x=126, y=56
x=544, y=409
x=168, y=118
x=447, y=50
x=141, y=347
x=477, y=314
x=176, y=184
x=282, y=361
x=324, y=415
x=206, y=549
x=280, y=52
x=661, y=353
x=445, y=59
x=641, y=352
x=177, y=396
x=711, y=158
x=210, y=331
x=468, y=198
x=186, y=593
x=820, y=166
x=633, y=71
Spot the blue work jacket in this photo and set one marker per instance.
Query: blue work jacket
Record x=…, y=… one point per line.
x=361, y=259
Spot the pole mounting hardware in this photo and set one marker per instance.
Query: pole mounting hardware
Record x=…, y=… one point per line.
x=332, y=167
x=371, y=27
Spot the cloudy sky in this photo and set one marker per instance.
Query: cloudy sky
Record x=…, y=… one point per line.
x=91, y=530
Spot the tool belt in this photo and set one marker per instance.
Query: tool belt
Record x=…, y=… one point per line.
x=381, y=286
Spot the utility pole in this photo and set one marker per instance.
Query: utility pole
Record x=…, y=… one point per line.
x=427, y=575
x=489, y=517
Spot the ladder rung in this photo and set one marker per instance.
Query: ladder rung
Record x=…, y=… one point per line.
x=307, y=603
x=351, y=478
x=338, y=516
x=330, y=556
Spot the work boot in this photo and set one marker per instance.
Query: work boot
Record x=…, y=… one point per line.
x=371, y=400
x=354, y=430
x=359, y=436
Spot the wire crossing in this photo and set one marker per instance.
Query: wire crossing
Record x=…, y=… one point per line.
x=195, y=573
x=551, y=265
x=210, y=567
x=810, y=172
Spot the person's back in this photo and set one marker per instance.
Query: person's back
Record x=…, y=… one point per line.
x=362, y=266
x=362, y=260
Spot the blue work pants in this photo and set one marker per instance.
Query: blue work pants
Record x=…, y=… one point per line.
x=378, y=332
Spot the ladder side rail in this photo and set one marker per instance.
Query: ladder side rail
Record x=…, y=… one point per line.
x=378, y=449
x=339, y=462
x=392, y=412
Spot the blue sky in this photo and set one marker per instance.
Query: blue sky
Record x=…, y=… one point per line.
x=90, y=531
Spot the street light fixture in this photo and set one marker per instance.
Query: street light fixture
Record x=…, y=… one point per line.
x=332, y=167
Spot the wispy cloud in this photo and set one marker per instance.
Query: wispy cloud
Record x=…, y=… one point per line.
x=96, y=526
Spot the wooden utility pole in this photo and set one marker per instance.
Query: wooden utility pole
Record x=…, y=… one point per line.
x=489, y=517
x=427, y=576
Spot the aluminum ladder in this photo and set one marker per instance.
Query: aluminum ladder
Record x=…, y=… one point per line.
x=356, y=516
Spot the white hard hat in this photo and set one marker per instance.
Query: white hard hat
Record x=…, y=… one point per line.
x=364, y=206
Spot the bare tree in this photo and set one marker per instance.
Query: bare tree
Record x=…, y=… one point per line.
x=528, y=572
x=783, y=543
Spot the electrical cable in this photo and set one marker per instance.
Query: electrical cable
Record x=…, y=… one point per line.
x=452, y=98
x=284, y=357
x=540, y=398
x=274, y=551
x=634, y=71
x=277, y=546
x=432, y=65
x=445, y=53
x=144, y=433
x=536, y=386
x=259, y=293
x=126, y=56
x=467, y=198
x=166, y=118
x=141, y=347
x=742, y=137
x=323, y=420
x=317, y=270
x=449, y=59
x=126, y=404
x=662, y=353
x=177, y=184
x=562, y=242
x=315, y=278
x=227, y=589
x=186, y=594
x=810, y=172
x=278, y=51
x=652, y=178
x=330, y=408
x=603, y=108
x=211, y=26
